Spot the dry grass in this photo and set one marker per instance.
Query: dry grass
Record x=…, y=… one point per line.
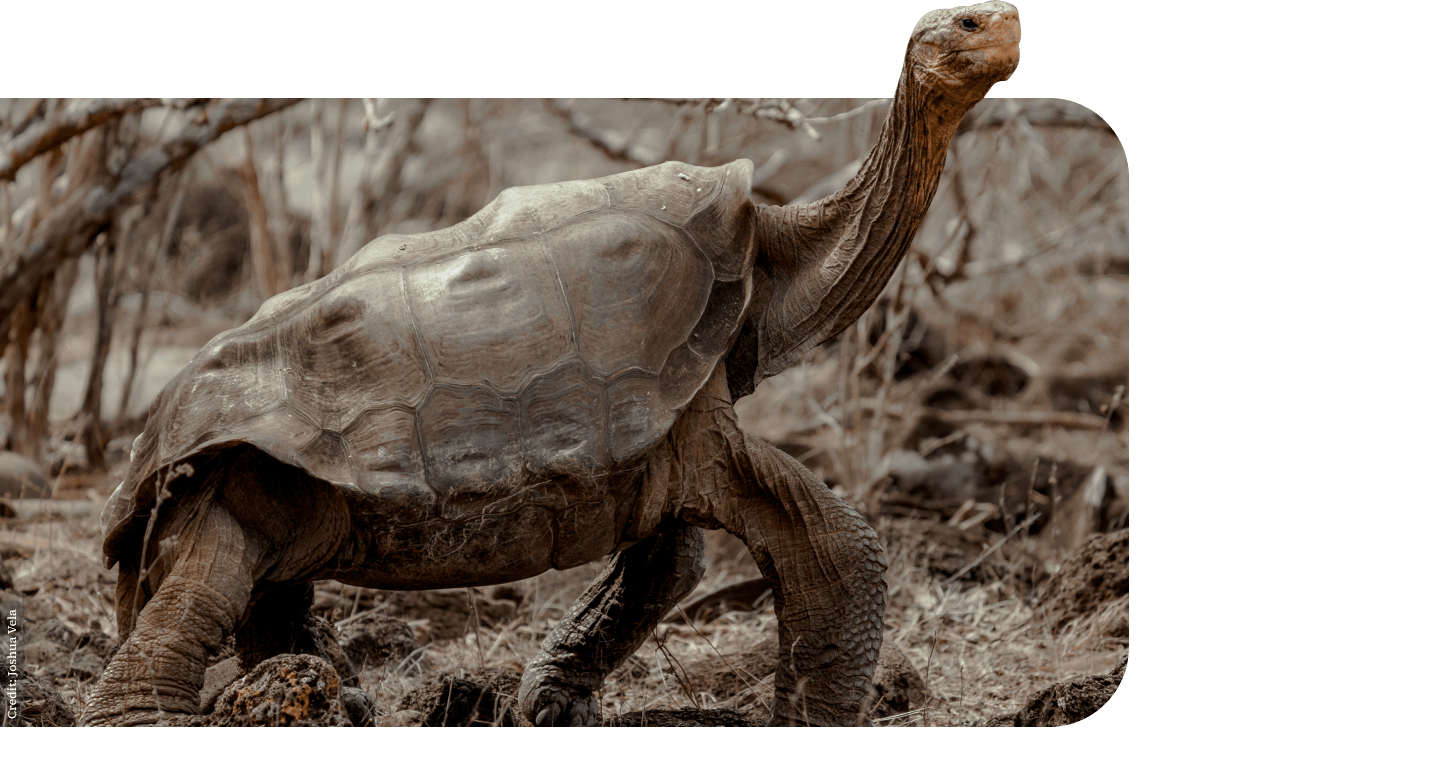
x=976, y=646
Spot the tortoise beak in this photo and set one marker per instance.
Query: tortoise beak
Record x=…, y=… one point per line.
x=998, y=44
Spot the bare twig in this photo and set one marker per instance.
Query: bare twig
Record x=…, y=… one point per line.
x=78, y=117
x=68, y=230
x=990, y=550
x=147, y=272
x=380, y=176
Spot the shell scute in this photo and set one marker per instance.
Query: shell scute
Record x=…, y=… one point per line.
x=345, y=358
x=634, y=286
x=471, y=436
x=485, y=370
x=495, y=314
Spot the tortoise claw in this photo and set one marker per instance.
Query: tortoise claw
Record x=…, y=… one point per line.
x=548, y=701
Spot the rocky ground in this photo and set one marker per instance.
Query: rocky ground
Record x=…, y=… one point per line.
x=1010, y=642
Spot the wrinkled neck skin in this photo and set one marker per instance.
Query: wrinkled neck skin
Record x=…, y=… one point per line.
x=829, y=260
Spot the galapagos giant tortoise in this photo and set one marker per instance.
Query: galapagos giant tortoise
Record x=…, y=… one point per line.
x=544, y=384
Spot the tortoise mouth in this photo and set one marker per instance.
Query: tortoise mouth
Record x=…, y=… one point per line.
x=999, y=55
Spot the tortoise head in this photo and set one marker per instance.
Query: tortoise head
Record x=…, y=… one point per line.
x=964, y=50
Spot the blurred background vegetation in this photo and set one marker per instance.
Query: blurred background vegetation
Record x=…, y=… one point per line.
x=135, y=230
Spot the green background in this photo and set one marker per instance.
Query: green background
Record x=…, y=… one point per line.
x=1283, y=329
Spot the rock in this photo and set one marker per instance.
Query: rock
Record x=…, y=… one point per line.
x=682, y=717
x=21, y=477
x=1066, y=702
x=217, y=678
x=376, y=640
x=69, y=456
x=899, y=688
x=287, y=690
x=1091, y=577
x=448, y=700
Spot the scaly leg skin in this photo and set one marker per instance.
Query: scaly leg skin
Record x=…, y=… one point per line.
x=160, y=666
x=281, y=622
x=608, y=623
x=827, y=571
x=824, y=563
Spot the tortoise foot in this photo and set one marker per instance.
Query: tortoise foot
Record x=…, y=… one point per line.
x=548, y=700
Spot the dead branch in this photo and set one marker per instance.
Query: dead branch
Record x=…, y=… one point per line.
x=17, y=352
x=859, y=110
x=37, y=137
x=147, y=273
x=613, y=142
x=380, y=178
x=272, y=270
x=109, y=259
x=68, y=230
x=51, y=307
x=781, y=112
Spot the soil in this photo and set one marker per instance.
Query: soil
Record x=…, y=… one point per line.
x=437, y=614
x=44, y=705
x=1091, y=580
x=683, y=717
x=1066, y=702
x=376, y=640
x=1017, y=629
x=740, y=679
x=485, y=699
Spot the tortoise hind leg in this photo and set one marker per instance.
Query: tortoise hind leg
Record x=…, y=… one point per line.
x=281, y=621
x=608, y=623
x=161, y=664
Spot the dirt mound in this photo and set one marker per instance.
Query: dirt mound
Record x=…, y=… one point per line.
x=483, y=700
x=1066, y=702
x=1092, y=578
x=287, y=690
x=42, y=705
x=898, y=686
x=734, y=674
x=376, y=640
x=682, y=717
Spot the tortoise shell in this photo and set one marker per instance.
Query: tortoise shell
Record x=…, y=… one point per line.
x=557, y=332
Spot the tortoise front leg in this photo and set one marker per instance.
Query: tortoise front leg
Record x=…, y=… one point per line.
x=608, y=623
x=826, y=569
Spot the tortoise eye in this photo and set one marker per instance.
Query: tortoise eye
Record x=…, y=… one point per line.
x=969, y=25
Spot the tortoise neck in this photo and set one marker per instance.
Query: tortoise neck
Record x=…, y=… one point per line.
x=830, y=259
